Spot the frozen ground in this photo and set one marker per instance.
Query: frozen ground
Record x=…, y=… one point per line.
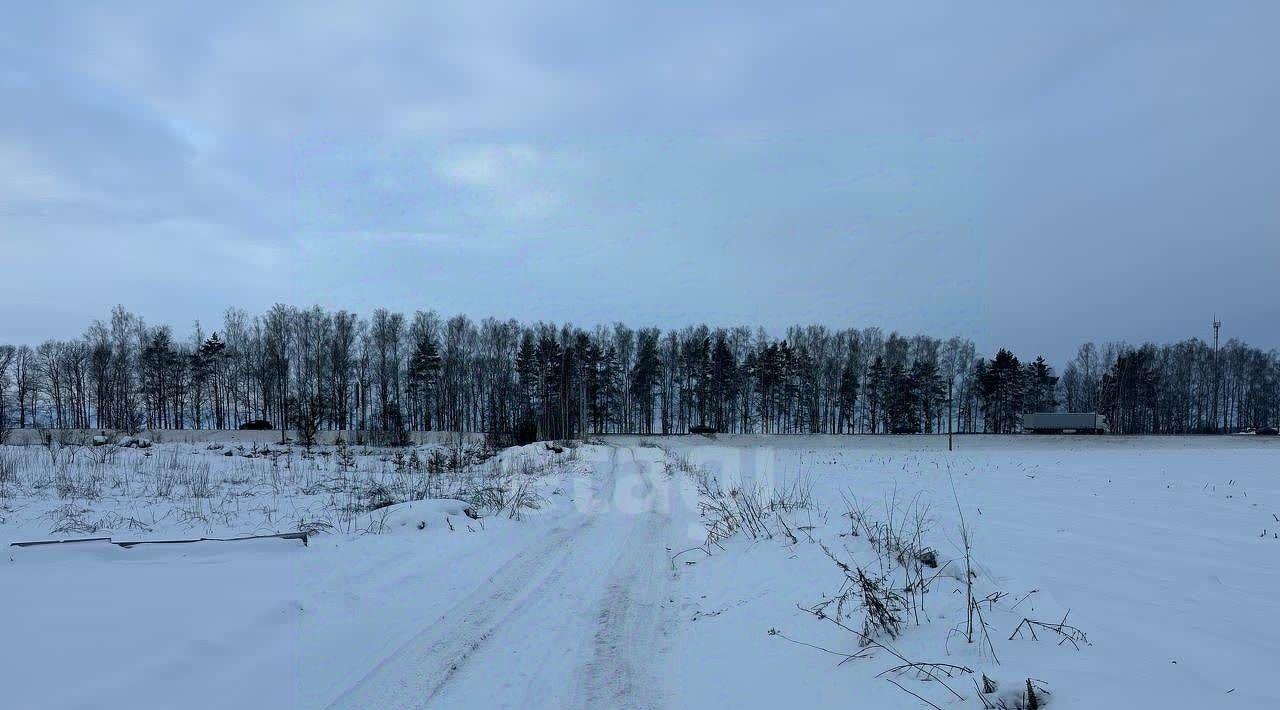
x=590, y=580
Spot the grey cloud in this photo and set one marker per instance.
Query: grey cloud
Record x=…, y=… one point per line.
x=1029, y=175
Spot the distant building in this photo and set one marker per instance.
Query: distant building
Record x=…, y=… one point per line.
x=1064, y=422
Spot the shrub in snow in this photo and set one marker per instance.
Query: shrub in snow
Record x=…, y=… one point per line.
x=378, y=496
x=135, y=442
x=1030, y=695
x=422, y=514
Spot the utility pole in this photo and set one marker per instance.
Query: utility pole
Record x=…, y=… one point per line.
x=1217, y=325
x=950, y=429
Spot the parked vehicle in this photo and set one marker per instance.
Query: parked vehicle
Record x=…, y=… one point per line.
x=702, y=429
x=1266, y=431
x=1064, y=422
x=257, y=425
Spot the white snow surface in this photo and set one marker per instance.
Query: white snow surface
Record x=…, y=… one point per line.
x=1164, y=551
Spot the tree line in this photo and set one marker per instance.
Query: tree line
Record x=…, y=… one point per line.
x=313, y=368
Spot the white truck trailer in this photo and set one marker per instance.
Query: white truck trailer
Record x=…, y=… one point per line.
x=1063, y=422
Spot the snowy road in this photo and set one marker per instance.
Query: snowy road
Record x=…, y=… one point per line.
x=576, y=620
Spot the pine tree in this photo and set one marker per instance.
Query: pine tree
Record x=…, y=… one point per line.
x=848, y=395
x=645, y=376
x=423, y=379
x=877, y=386
x=928, y=391
x=1041, y=387
x=1002, y=387
x=209, y=362
x=900, y=402
x=724, y=375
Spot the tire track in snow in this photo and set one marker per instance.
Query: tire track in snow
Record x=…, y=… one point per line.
x=613, y=564
x=417, y=672
x=629, y=625
x=631, y=618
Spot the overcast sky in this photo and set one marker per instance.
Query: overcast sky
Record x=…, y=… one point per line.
x=1026, y=174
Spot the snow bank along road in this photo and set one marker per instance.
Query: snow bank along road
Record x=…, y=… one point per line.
x=576, y=619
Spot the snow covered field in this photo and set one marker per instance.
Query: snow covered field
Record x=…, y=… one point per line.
x=633, y=572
